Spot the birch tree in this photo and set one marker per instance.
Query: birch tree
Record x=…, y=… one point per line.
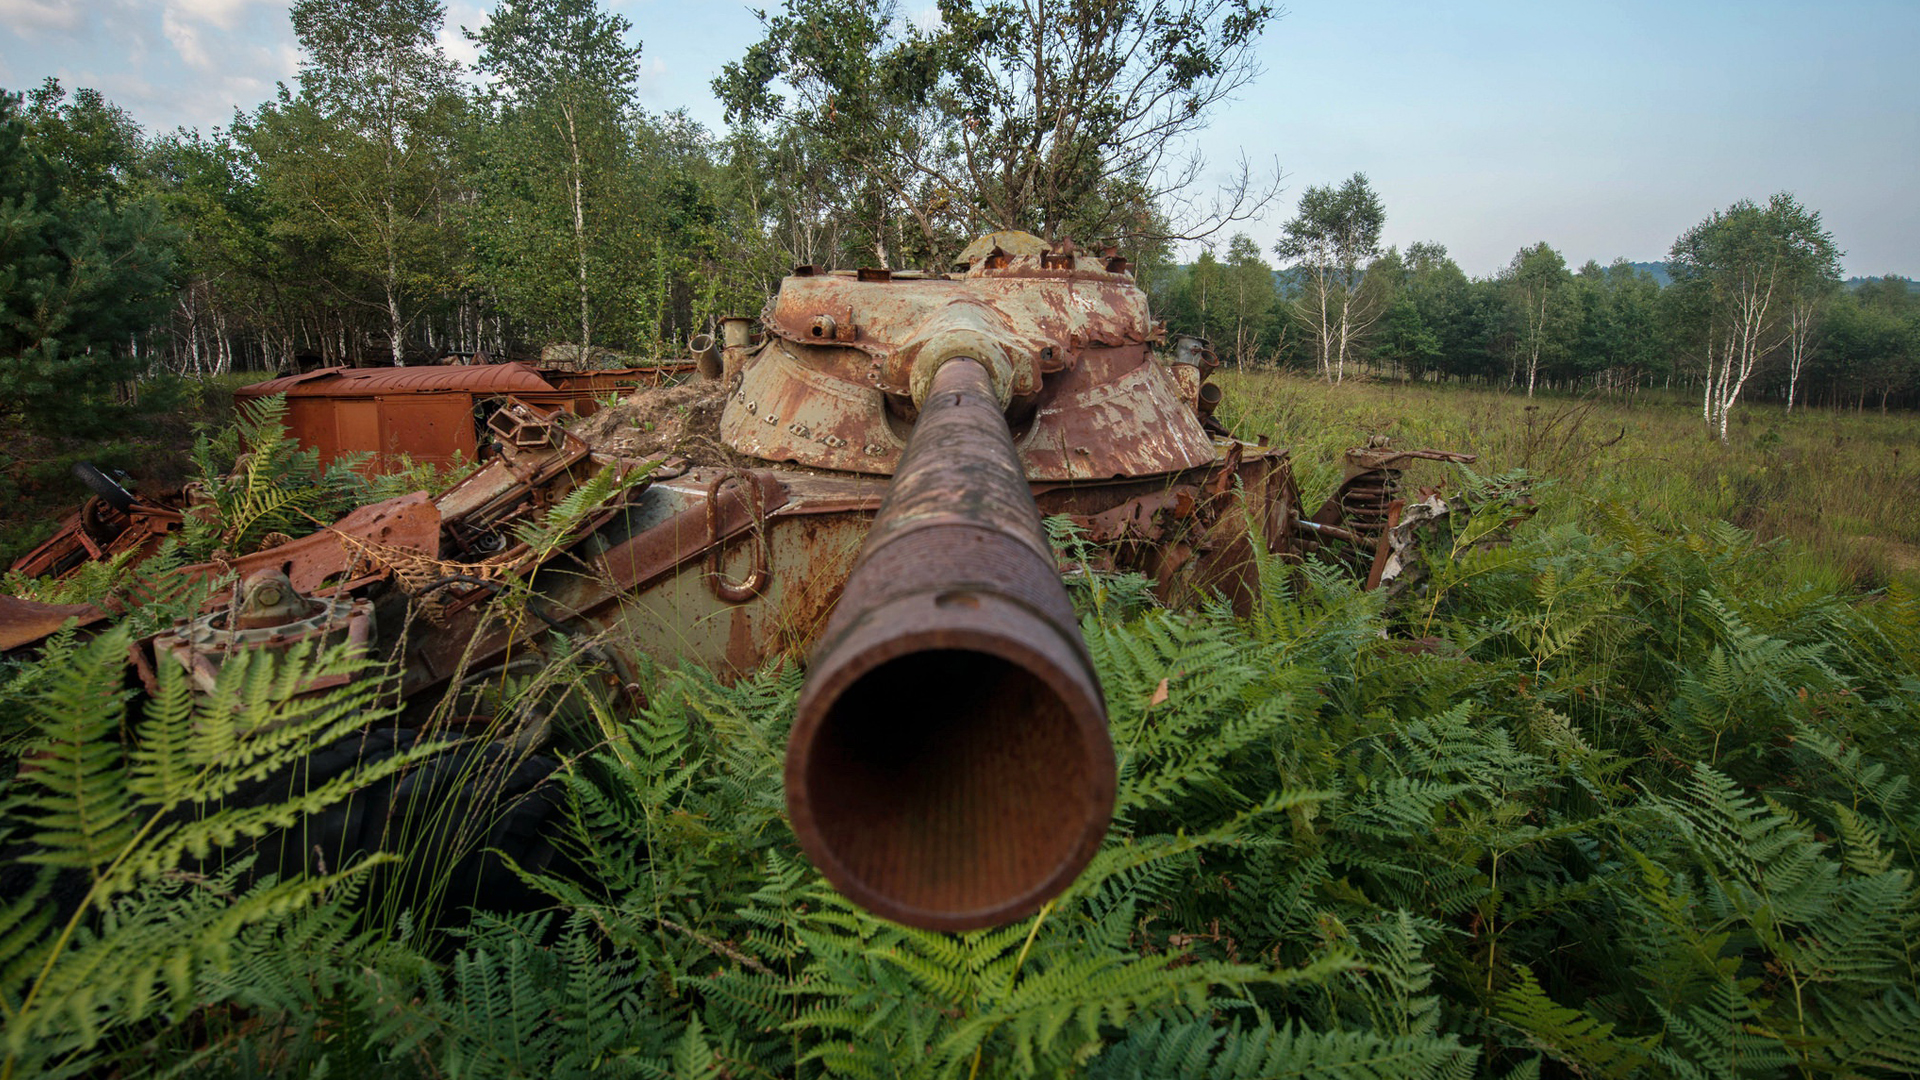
x=1330, y=243
x=1804, y=308
x=561, y=90
x=1743, y=266
x=1536, y=283
x=377, y=168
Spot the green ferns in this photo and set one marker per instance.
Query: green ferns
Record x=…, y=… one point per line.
x=258, y=481
x=1627, y=807
x=112, y=816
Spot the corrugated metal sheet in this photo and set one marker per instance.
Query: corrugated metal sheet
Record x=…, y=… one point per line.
x=376, y=382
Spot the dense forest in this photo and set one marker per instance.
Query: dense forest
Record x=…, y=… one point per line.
x=392, y=206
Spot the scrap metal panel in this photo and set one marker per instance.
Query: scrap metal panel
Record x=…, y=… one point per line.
x=433, y=428
x=356, y=427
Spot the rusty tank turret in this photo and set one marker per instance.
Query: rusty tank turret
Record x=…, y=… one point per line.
x=870, y=496
x=949, y=765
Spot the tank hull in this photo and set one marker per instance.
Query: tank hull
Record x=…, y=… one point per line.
x=731, y=569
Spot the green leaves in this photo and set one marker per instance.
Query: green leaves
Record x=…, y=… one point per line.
x=122, y=813
x=558, y=171
x=1062, y=120
x=260, y=481
x=1568, y=1035
x=76, y=791
x=1262, y=1051
x=82, y=268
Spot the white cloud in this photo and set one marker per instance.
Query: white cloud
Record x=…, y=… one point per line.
x=453, y=39
x=927, y=19
x=168, y=62
x=651, y=85
x=202, y=30
x=185, y=35
x=63, y=16
x=222, y=13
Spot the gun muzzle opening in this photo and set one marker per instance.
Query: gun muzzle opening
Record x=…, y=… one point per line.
x=949, y=766
x=954, y=788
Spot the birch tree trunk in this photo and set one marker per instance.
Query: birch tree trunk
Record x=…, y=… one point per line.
x=1346, y=330
x=192, y=313
x=1325, y=334
x=1315, y=307
x=1800, y=313
x=1536, y=331
x=579, y=227
x=392, y=235
x=1706, y=399
x=1747, y=343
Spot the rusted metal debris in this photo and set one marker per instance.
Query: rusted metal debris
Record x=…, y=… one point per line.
x=24, y=623
x=100, y=530
x=336, y=559
x=1364, y=511
x=434, y=414
x=886, y=452
x=266, y=614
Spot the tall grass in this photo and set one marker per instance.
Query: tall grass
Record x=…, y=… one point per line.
x=1842, y=486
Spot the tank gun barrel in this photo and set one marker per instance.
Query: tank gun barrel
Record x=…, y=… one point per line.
x=949, y=766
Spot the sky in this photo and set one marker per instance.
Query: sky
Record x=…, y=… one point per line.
x=1603, y=128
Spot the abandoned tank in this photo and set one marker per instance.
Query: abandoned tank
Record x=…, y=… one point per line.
x=872, y=498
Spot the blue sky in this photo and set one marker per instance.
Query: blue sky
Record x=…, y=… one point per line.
x=1603, y=128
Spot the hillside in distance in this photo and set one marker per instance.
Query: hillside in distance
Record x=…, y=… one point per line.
x=1657, y=269
x=1659, y=272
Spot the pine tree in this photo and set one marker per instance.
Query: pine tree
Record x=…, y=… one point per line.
x=82, y=272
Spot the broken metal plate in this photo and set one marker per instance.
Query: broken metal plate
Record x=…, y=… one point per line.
x=313, y=563
x=23, y=622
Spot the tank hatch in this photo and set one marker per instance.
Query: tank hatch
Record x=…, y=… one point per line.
x=1069, y=338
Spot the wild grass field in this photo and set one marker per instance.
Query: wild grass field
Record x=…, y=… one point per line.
x=1629, y=795
x=1842, y=486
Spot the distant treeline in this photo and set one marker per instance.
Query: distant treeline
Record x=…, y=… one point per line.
x=1612, y=329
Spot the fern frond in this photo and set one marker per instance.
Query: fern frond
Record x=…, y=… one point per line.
x=75, y=797
x=1568, y=1035
x=1198, y=1050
